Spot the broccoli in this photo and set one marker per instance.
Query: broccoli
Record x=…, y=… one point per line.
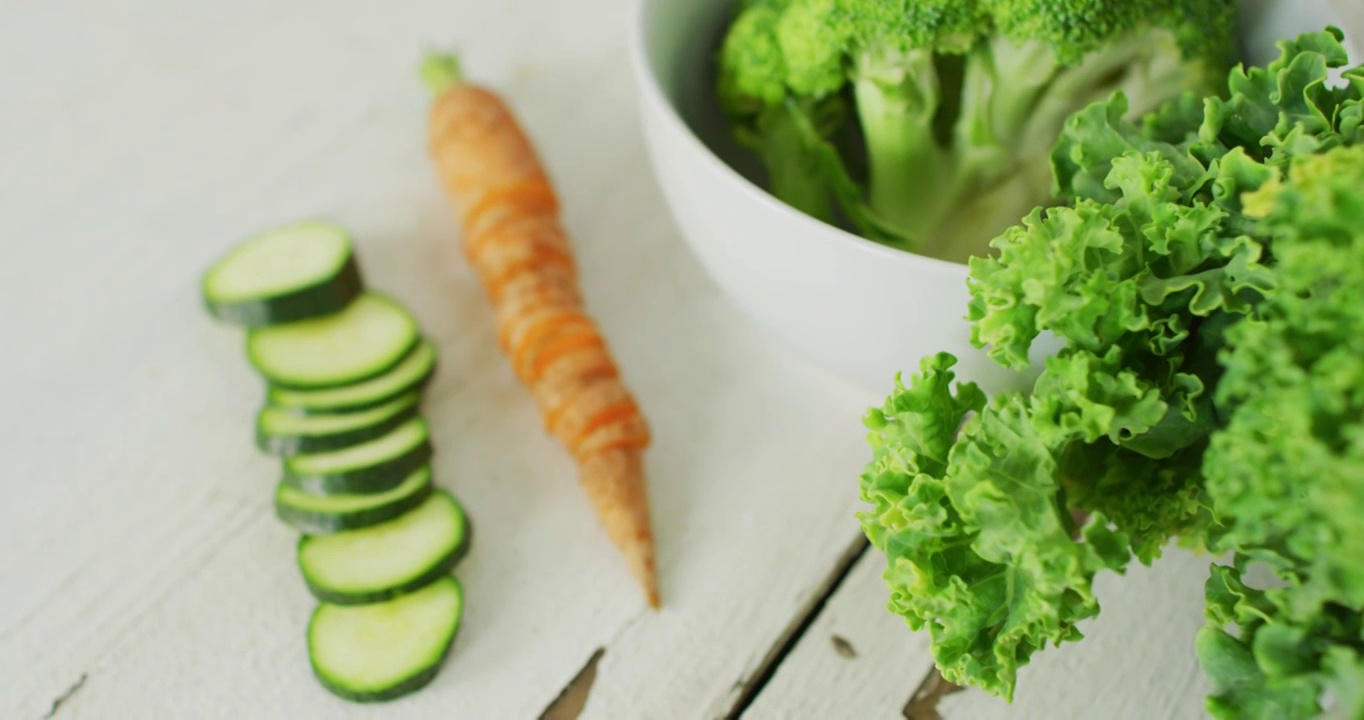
x=957, y=103
x=754, y=88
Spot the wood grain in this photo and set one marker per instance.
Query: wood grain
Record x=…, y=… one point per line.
x=1136, y=662
x=882, y=665
x=141, y=563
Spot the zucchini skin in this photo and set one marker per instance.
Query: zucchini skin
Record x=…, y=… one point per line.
x=315, y=523
x=324, y=298
x=375, y=478
x=289, y=445
x=436, y=572
x=407, y=686
x=366, y=404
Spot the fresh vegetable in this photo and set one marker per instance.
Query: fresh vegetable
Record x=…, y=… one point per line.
x=513, y=239
x=346, y=370
x=927, y=122
x=293, y=272
x=383, y=651
x=322, y=514
x=388, y=559
x=408, y=376
x=1285, y=476
x=1204, y=275
x=285, y=433
x=363, y=340
x=369, y=467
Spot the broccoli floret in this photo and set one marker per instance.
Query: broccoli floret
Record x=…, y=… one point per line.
x=768, y=118
x=957, y=102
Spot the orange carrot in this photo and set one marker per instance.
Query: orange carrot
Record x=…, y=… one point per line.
x=559, y=347
x=513, y=238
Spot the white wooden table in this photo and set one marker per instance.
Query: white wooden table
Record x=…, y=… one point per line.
x=142, y=573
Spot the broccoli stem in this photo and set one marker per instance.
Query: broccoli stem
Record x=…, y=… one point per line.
x=1096, y=79
x=1019, y=76
x=794, y=173
x=794, y=169
x=897, y=96
x=1015, y=100
x=950, y=203
x=995, y=176
x=1001, y=88
x=981, y=216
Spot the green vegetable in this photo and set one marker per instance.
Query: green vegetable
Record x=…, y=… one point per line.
x=408, y=376
x=1206, y=275
x=372, y=466
x=385, y=650
x=346, y=371
x=293, y=272
x=943, y=110
x=1285, y=477
x=775, y=126
x=323, y=514
x=383, y=561
x=286, y=433
x=363, y=340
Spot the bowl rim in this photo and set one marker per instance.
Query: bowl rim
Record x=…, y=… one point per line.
x=648, y=83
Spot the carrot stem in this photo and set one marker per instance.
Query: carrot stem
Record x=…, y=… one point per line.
x=440, y=72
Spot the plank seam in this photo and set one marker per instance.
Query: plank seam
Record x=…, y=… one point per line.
x=792, y=634
x=66, y=695
x=569, y=704
x=923, y=704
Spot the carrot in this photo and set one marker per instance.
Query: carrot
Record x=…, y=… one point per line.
x=513, y=239
x=560, y=347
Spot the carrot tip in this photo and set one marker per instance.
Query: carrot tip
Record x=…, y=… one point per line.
x=440, y=72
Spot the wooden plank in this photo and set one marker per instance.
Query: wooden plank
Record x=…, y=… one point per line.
x=856, y=660
x=757, y=522
x=1136, y=662
x=141, y=556
x=539, y=604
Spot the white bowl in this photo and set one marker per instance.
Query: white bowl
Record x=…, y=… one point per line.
x=862, y=310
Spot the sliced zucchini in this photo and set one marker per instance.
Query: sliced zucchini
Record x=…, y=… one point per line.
x=370, y=467
x=286, y=433
x=365, y=339
x=384, y=650
x=322, y=514
x=389, y=559
x=407, y=377
x=293, y=272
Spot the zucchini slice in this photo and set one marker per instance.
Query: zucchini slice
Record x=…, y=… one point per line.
x=365, y=339
x=389, y=559
x=382, y=651
x=323, y=514
x=285, y=433
x=370, y=467
x=407, y=376
x=293, y=272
